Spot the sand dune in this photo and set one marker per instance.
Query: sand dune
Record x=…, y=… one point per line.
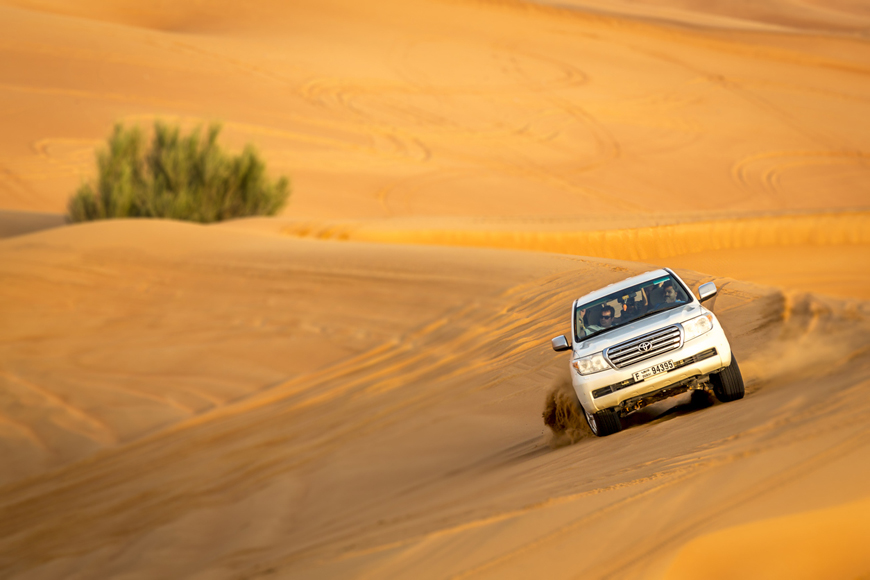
x=16, y=223
x=354, y=388
x=827, y=253
x=385, y=444
x=236, y=320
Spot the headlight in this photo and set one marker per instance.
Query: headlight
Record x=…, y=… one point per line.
x=594, y=363
x=698, y=326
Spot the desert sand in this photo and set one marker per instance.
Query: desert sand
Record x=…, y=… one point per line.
x=354, y=388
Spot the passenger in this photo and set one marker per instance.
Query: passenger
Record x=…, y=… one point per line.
x=633, y=309
x=669, y=295
x=669, y=292
x=580, y=323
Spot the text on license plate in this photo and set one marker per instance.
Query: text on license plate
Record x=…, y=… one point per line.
x=659, y=368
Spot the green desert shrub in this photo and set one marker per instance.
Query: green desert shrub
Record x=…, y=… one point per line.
x=178, y=177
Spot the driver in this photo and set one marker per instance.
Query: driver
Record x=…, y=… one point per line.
x=605, y=320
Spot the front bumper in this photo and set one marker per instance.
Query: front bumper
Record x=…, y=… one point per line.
x=611, y=387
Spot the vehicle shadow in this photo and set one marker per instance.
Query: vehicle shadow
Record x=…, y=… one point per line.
x=682, y=405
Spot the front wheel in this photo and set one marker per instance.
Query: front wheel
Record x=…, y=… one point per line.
x=604, y=422
x=728, y=383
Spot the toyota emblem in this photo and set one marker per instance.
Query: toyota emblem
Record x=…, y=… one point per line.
x=644, y=346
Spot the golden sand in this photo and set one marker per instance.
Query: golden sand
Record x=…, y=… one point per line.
x=827, y=543
x=354, y=389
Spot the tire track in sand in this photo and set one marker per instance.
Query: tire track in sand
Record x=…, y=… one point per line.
x=762, y=173
x=239, y=449
x=31, y=526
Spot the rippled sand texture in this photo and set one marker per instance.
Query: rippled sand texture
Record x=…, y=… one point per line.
x=233, y=403
x=464, y=108
x=354, y=389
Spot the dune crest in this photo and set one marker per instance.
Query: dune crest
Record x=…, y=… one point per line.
x=829, y=16
x=637, y=244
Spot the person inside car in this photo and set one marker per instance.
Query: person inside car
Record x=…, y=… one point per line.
x=669, y=296
x=605, y=320
x=633, y=308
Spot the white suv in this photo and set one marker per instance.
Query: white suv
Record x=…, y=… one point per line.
x=642, y=340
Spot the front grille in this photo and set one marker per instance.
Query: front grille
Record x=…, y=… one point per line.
x=598, y=393
x=630, y=352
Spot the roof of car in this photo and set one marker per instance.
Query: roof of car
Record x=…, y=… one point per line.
x=611, y=288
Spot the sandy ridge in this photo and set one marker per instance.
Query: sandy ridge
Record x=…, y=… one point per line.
x=623, y=244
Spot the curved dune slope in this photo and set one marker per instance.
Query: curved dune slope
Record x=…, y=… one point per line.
x=114, y=329
x=401, y=437
x=825, y=543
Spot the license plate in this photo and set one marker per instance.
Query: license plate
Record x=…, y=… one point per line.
x=652, y=371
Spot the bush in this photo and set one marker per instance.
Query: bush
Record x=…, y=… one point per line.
x=178, y=177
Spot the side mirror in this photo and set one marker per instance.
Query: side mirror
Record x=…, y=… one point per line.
x=560, y=343
x=706, y=291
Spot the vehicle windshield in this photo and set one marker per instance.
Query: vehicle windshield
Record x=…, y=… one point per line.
x=628, y=305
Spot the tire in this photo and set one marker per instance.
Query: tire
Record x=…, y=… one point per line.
x=728, y=383
x=604, y=422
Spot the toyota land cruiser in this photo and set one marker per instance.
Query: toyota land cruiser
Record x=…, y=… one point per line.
x=642, y=340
